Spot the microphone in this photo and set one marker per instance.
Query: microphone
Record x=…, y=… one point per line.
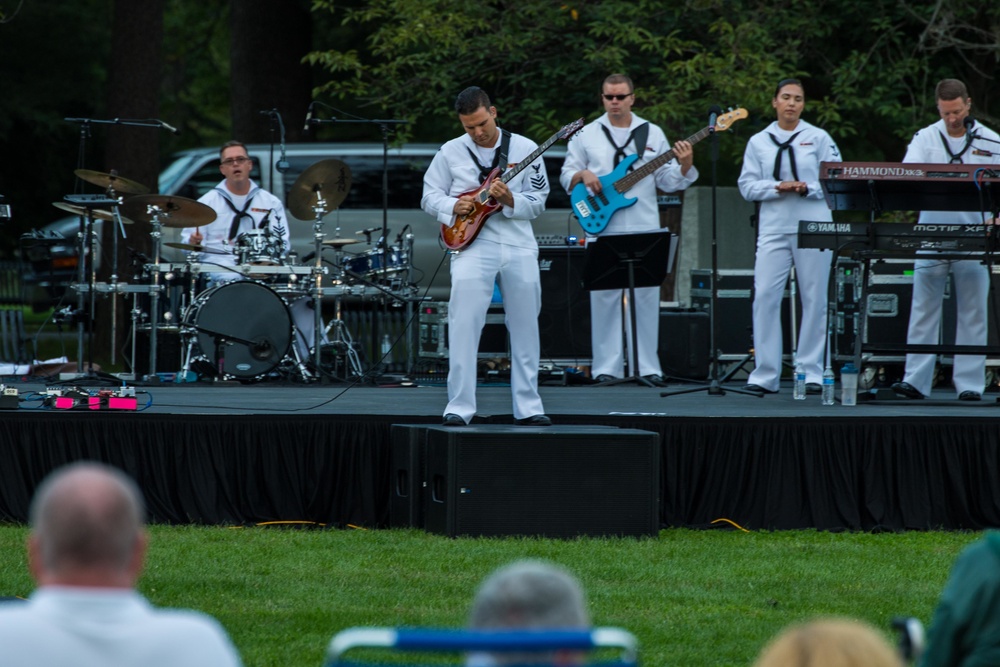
x=368, y=230
x=969, y=122
x=309, y=256
x=309, y=117
x=713, y=115
x=261, y=349
x=169, y=127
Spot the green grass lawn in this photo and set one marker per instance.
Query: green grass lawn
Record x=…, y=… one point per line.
x=691, y=597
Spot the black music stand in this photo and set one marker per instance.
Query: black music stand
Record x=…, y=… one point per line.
x=627, y=261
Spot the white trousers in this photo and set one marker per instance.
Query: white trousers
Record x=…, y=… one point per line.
x=972, y=283
x=607, y=307
x=775, y=255
x=473, y=273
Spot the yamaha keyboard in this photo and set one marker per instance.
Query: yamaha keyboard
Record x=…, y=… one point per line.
x=898, y=238
x=898, y=186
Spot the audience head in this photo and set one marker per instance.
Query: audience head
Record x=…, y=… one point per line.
x=87, y=528
x=829, y=643
x=531, y=595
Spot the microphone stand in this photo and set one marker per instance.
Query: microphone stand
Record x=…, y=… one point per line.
x=714, y=387
x=384, y=126
x=86, y=234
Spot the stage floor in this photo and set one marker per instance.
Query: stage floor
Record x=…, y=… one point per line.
x=572, y=404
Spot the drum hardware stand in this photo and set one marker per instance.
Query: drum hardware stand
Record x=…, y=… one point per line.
x=154, y=292
x=342, y=341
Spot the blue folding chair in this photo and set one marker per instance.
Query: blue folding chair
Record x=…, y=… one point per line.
x=620, y=641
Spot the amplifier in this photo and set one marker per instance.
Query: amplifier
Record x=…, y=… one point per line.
x=493, y=342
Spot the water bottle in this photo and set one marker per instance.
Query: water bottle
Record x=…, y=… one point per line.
x=828, y=386
x=849, y=385
x=799, y=388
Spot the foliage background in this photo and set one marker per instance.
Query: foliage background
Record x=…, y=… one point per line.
x=869, y=67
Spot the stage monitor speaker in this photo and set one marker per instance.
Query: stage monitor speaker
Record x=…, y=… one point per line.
x=564, y=321
x=407, y=446
x=559, y=481
x=684, y=343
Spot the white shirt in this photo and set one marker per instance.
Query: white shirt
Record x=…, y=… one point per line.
x=452, y=173
x=91, y=627
x=926, y=147
x=590, y=149
x=780, y=213
x=216, y=234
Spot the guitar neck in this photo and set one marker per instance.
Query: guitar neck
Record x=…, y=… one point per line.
x=624, y=183
x=526, y=162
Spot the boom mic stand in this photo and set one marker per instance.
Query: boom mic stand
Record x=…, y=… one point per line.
x=714, y=387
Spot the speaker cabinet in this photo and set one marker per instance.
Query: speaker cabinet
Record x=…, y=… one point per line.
x=560, y=481
x=684, y=343
x=564, y=321
x=407, y=451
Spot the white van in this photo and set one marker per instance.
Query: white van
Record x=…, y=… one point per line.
x=194, y=172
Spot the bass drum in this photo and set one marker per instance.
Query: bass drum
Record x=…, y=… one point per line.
x=253, y=321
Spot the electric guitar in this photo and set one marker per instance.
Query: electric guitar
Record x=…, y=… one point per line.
x=465, y=228
x=594, y=212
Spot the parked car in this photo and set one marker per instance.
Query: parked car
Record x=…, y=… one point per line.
x=194, y=172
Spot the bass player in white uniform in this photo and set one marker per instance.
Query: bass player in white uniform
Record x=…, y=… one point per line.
x=505, y=253
x=595, y=151
x=781, y=171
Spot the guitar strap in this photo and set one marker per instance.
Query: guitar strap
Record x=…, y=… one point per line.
x=639, y=134
x=956, y=158
x=782, y=147
x=499, y=158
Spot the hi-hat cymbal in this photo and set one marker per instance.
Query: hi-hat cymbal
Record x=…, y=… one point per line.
x=329, y=178
x=99, y=214
x=340, y=243
x=112, y=180
x=196, y=248
x=174, y=211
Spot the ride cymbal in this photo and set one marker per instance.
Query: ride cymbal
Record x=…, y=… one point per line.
x=113, y=181
x=329, y=178
x=196, y=248
x=340, y=243
x=98, y=213
x=173, y=211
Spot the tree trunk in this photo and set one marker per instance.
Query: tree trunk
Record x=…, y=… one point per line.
x=269, y=40
x=133, y=93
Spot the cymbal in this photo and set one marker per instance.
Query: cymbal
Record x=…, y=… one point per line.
x=112, y=180
x=330, y=178
x=196, y=248
x=339, y=243
x=99, y=213
x=175, y=211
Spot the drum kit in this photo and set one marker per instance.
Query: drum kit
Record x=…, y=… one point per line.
x=267, y=318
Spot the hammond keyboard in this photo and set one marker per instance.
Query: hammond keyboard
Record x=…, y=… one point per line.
x=910, y=186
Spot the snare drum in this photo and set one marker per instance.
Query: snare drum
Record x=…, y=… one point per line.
x=374, y=263
x=250, y=318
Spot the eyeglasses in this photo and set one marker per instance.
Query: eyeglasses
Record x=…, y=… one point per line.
x=229, y=162
x=616, y=97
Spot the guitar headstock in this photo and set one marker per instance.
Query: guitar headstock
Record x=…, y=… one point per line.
x=570, y=129
x=724, y=121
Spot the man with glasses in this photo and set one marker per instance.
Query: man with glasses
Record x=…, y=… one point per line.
x=595, y=151
x=240, y=206
x=956, y=138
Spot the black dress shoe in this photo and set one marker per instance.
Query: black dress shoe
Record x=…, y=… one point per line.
x=756, y=388
x=534, y=420
x=655, y=380
x=970, y=395
x=814, y=388
x=908, y=390
x=451, y=419
x=604, y=377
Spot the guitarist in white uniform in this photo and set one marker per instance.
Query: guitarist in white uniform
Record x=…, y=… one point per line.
x=595, y=151
x=504, y=252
